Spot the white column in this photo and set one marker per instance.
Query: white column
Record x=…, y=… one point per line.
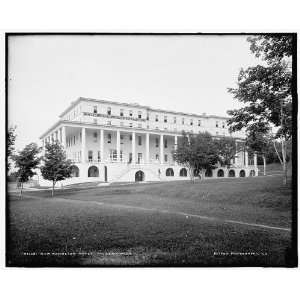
x=102, y=145
x=147, y=148
x=83, y=155
x=63, y=136
x=246, y=159
x=133, y=148
x=161, y=148
x=118, y=145
x=175, y=146
x=255, y=160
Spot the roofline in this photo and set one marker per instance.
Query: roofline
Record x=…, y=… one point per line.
x=72, y=105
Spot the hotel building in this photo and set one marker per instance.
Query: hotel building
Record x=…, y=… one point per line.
x=121, y=142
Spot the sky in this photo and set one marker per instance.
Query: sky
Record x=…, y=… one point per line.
x=181, y=73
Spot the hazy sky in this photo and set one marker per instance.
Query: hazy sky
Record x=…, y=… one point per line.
x=181, y=73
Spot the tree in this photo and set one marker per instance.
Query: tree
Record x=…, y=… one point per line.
x=196, y=152
x=259, y=143
x=227, y=149
x=266, y=92
x=55, y=165
x=26, y=161
x=11, y=138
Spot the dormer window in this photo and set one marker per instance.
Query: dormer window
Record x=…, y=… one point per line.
x=95, y=109
x=217, y=124
x=121, y=112
x=147, y=116
x=223, y=125
x=174, y=120
x=191, y=122
x=130, y=113
x=165, y=119
x=139, y=114
x=109, y=111
x=182, y=121
x=199, y=122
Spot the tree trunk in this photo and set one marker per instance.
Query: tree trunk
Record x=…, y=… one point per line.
x=53, y=188
x=284, y=162
x=21, y=190
x=264, y=159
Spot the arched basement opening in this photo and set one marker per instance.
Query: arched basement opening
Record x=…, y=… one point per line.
x=139, y=176
x=231, y=173
x=183, y=172
x=242, y=173
x=220, y=173
x=75, y=171
x=169, y=172
x=93, y=171
x=208, y=173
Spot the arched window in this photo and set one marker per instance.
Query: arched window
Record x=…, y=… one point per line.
x=208, y=173
x=252, y=173
x=231, y=173
x=183, y=172
x=242, y=173
x=75, y=171
x=220, y=173
x=169, y=172
x=93, y=172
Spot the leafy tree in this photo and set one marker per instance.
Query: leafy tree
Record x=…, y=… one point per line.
x=259, y=143
x=55, y=165
x=227, y=149
x=26, y=161
x=196, y=152
x=266, y=92
x=11, y=138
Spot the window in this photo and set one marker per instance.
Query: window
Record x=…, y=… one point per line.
x=95, y=136
x=156, y=142
x=113, y=154
x=157, y=157
x=95, y=121
x=130, y=137
x=166, y=157
x=121, y=112
x=166, y=143
x=109, y=111
x=147, y=116
x=199, y=122
x=182, y=121
x=109, y=138
x=223, y=125
x=156, y=118
x=139, y=125
x=130, y=113
x=183, y=172
x=165, y=119
x=95, y=109
x=139, y=114
x=108, y=122
x=130, y=124
x=90, y=155
x=217, y=124
x=139, y=140
x=191, y=122
x=99, y=156
x=174, y=120
x=122, y=138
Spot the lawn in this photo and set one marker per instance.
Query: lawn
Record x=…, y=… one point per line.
x=222, y=222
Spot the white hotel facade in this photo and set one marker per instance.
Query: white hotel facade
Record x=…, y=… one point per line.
x=120, y=142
